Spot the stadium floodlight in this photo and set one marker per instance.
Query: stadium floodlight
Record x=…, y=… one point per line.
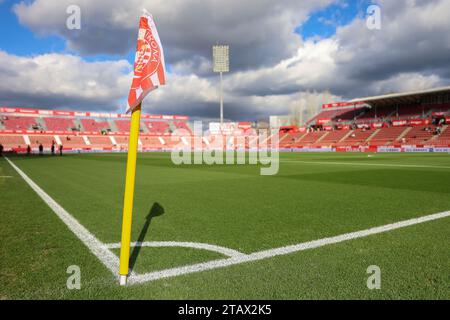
x=221, y=58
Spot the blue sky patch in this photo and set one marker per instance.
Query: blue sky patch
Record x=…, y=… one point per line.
x=323, y=23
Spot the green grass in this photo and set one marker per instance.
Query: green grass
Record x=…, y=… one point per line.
x=234, y=207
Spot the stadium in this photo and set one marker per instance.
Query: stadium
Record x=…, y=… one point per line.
x=314, y=187
x=404, y=122
x=357, y=205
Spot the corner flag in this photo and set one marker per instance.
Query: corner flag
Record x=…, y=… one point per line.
x=149, y=67
x=149, y=74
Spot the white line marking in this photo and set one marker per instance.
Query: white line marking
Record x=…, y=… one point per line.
x=265, y=254
x=108, y=258
x=196, y=245
x=111, y=261
x=367, y=164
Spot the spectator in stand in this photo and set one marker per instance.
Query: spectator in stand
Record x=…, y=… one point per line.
x=60, y=150
x=28, y=150
x=1, y=149
x=41, y=149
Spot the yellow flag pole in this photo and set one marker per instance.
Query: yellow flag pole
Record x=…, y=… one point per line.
x=129, y=195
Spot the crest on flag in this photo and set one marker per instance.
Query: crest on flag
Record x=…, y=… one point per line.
x=149, y=67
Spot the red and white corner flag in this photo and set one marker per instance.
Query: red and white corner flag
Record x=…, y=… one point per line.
x=149, y=68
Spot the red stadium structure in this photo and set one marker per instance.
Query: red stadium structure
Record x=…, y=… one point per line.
x=83, y=131
x=414, y=121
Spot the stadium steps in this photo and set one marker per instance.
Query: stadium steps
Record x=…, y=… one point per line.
x=403, y=134
x=27, y=140
x=172, y=127
x=322, y=137
x=373, y=135
x=433, y=138
x=82, y=128
x=57, y=139
x=77, y=123
x=346, y=136
x=143, y=127
x=283, y=137
x=41, y=122
x=444, y=137
x=112, y=125
x=86, y=140
x=437, y=137
x=300, y=139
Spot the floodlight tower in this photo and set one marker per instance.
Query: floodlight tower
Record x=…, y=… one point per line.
x=221, y=57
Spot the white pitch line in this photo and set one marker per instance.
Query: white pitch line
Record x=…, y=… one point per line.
x=367, y=164
x=265, y=254
x=111, y=261
x=108, y=258
x=195, y=245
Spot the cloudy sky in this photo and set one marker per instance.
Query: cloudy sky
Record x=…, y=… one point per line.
x=282, y=53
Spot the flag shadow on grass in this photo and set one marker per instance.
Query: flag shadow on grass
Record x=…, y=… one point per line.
x=155, y=211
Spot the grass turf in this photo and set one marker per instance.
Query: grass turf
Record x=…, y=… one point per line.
x=313, y=196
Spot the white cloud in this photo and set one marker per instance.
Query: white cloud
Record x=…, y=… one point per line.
x=273, y=69
x=259, y=31
x=405, y=82
x=63, y=79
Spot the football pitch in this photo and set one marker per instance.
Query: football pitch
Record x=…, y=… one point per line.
x=225, y=231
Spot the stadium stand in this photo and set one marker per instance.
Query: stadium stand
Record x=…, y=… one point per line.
x=122, y=125
x=100, y=142
x=357, y=137
x=12, y=141
x=158, y=126
x=92, y=125
x=19, y=123
x=393, y=120
x=412, y=112
x=73, y=142
x=419, y=135
x=374, y=114
x=333, y=137
x=59, y=124
x=311, y=138
x=444, y=138
x=46, y=140
x=182, y=125
x=152, y=143
x=387, y=136
x=121, y=141
x=288, y=140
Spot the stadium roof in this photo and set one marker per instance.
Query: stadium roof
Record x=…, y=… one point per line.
x=402, y=98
